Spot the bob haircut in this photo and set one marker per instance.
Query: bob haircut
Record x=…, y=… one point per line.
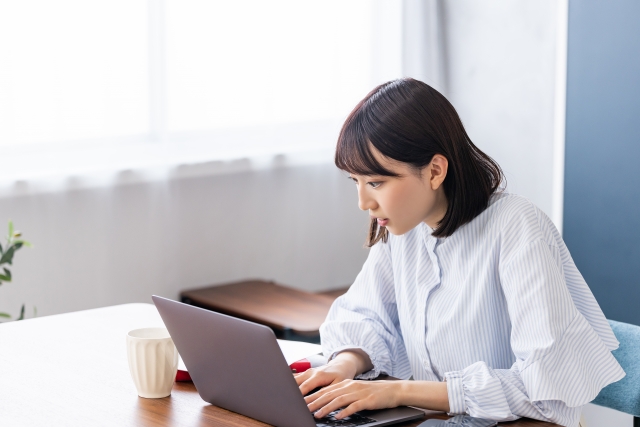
x=408, y=121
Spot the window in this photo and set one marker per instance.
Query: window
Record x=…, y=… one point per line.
x=214, y=72
x=72, y=70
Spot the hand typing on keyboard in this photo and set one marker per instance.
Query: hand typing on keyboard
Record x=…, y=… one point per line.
x=354, y=396
x=337, y=389
x=350, y=421
x=344, y=367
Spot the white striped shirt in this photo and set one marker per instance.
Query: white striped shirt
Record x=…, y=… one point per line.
x=498, y=310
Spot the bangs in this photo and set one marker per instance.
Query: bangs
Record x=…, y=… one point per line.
x=353, y=151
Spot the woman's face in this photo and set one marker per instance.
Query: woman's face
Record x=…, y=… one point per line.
x=401, y=203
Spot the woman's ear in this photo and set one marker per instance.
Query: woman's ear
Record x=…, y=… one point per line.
x=437, y=171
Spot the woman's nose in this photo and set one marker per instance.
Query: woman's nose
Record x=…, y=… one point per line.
x=365, y=202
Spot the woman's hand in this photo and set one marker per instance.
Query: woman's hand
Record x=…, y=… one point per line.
x=345, y=366
x=341, y=391
x=354, y=396
x=338, y=369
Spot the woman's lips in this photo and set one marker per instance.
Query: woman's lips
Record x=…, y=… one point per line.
x=382, y=221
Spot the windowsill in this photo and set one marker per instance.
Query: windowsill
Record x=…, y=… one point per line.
x=60, y=167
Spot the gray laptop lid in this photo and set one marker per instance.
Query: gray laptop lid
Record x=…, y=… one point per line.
x=235, y=364
x=238, y=365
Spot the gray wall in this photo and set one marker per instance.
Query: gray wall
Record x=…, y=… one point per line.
x=602, y=170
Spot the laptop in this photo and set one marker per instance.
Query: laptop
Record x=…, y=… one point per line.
x=238, y=365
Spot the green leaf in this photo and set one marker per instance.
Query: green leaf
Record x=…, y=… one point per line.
x=6, y=277
x=35, y=311
x=25, y=243
x=5, y=315
x=10, y=229
x=7, y=257
x=1, y=249
x=17, y=245
x=21, y=317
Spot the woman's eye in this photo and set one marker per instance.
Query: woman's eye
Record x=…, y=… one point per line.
x=374, y=184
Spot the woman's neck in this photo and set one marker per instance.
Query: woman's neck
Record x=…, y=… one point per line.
x=439, y=209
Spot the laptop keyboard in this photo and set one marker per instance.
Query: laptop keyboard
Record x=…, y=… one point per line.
x=350, y=421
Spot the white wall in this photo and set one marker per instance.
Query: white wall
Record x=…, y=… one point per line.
x=500, y=61
x=114, y=244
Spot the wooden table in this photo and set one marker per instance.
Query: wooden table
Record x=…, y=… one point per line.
x=71, y=370
x=291, y=313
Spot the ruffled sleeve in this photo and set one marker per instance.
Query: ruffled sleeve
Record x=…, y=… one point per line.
x=366, y=317
x=561, y=362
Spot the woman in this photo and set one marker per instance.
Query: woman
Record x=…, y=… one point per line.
x=467, y=289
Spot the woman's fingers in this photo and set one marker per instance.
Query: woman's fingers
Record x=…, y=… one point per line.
x=358, y=405
x=302, y=376
x=320, y=398
x=353, y=396
x=336, y=403
x=333, y=372
x=314, y=380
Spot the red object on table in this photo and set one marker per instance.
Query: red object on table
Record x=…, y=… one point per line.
x=300, y=365
x=182, y=375
x=308, y=362
x=297, y=367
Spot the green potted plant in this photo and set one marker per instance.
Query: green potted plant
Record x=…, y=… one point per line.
x=6, y=258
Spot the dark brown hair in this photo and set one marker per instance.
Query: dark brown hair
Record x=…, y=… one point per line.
x=409, y=121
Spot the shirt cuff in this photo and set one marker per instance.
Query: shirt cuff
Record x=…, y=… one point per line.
x=455, y=392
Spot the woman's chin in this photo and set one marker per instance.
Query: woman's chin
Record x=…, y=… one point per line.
x=395, y=231
x=399, y=231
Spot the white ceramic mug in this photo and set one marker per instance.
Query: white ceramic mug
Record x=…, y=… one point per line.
x=153, y=361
